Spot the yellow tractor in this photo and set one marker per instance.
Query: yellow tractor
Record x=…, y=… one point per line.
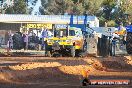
x=65, y=40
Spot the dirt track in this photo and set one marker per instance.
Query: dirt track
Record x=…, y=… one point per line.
x=66, y=72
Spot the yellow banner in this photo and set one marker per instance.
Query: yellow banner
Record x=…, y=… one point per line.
x=48, y=26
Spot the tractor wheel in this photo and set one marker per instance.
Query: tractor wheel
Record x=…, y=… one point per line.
x=73, y=51
x=129, y=43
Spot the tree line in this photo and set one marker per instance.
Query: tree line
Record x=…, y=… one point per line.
x=110, y=11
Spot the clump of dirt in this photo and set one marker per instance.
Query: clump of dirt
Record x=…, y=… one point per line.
x=95, y=64
x=129, y=59
x=76, y=70
x=34, y=65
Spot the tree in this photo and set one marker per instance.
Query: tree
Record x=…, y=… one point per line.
x=19, y=7
x=108, y=6
x=9, y=10
x=78, y=9
x=57, y=6
x=122, y=11
x=92, y=6
x=125, y=10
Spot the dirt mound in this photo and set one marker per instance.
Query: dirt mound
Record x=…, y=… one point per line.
x=96, y=64
x=75, y=70
x=44, y=71
x=34, y=65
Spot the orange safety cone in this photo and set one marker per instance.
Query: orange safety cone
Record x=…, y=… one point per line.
x=84, y=73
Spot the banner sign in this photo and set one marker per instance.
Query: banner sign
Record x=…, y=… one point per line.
x=48, y=26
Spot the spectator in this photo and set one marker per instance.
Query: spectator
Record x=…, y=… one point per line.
x=44, y=36
x=1, y=39
x=121, y=29
x=25, y=39
x=121, y=33
x=10, y=41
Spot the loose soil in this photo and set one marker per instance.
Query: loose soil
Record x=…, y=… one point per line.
x=62, y=72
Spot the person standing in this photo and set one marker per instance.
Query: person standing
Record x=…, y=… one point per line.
x=10, y=41
x=121, y=30
x=121, y=33
x=25, y=40
x=44, y=36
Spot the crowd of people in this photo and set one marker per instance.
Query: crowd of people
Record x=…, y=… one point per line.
x=28, y=40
